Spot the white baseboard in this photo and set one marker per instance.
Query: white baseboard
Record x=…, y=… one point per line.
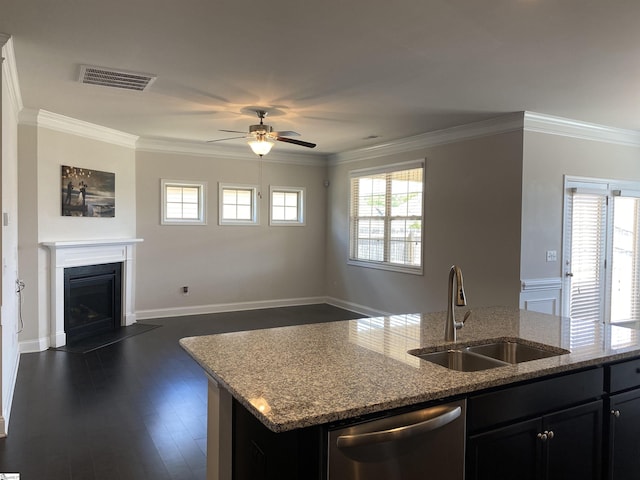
x=32, y=346
x=355, y=307
x=226, y=307
x=42, y=344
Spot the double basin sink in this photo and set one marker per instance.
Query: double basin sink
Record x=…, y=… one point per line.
x=489, y=354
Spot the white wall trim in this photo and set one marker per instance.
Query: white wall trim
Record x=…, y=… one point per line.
x=494, y=126
x=226, y=151
x=12, y=83
x=542, y=123
x=533, y=284
x=61, y=123
x=541, y=295
x=4, y=419
x=528, y=121
x=226, y=307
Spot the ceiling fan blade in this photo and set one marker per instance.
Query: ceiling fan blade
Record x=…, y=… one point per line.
x=232, y=131
x=285, y=133
x=296, y=142
x=223, y=139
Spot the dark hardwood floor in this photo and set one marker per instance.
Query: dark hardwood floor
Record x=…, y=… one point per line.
x=132, y=410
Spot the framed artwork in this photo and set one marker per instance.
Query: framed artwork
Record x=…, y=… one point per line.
x=88, y=193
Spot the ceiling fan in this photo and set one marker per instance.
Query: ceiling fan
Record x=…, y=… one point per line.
x=262, y=137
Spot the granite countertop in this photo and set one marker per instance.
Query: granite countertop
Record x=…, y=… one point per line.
x=299, y=376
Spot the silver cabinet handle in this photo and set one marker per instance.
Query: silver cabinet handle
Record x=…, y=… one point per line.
x=615, y=413
x=546, y=435
x=399, y=433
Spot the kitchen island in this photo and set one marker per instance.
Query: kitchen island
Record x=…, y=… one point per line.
x=293, y=378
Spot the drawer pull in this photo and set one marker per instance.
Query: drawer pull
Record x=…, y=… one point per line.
x=615, y=413
x=542, y=437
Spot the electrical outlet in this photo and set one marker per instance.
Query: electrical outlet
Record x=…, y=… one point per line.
x=185, y=290
x=552, y=256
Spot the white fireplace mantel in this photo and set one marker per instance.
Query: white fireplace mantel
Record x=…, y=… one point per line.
x=68, y=254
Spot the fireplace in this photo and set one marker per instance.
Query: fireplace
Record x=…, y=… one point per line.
x=92, y=300
x=66, y=255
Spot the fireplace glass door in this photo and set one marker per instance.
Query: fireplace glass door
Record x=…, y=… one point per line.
x=92, y=301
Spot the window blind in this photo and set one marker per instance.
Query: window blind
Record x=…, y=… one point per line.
x=386, y=215
x=587, y=214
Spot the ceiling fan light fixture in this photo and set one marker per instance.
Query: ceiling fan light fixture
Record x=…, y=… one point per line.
x=261, y=146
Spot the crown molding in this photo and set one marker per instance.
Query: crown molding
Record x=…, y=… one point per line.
x=527, y=121
x=542, y=123
x=61, y=123
x=11, y=73
x=493, y=126
x=180, y=147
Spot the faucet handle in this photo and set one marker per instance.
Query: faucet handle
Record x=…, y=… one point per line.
x=466, y=316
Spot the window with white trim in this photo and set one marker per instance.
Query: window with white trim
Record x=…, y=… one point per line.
x=287, y=206
x=386, y=211
x=238, y=204
x=183, y=202
x=601, y=257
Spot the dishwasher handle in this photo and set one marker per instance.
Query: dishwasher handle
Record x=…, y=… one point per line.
x=399, y=433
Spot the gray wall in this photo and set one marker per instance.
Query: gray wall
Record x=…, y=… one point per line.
x=226, y=267
x=546, y=159
x=42, y=152
x=472, y=219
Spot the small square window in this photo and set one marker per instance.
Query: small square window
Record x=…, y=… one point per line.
x=238, y=204
x=183, y=202
x=287, y=206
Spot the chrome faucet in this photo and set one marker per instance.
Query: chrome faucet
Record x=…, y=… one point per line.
x=459, y=300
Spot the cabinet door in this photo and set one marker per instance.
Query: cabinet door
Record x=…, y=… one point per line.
x=573, y=448
x=624, y=436
x=512, y=452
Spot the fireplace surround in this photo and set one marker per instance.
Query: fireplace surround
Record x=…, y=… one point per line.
x=68, y=254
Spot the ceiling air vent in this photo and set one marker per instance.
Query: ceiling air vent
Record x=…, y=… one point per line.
x=108, y=77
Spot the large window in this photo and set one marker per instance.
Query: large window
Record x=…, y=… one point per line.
x=386, y=217
x=238, y=204
x=183, y=202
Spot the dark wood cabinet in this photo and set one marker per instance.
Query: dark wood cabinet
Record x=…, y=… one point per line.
x=260, y=454
x=573, y=448
x=623, y=422
x=562, y=445
x=511, y=452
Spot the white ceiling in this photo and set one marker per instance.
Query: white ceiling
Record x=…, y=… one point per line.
x=337, y=72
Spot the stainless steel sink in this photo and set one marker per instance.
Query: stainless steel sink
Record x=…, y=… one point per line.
x=488, y=354
x=514, y=352
x=461, y=360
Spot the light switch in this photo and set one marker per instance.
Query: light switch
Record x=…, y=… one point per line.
x=552, y=256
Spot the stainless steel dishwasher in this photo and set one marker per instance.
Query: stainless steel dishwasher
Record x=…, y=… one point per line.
x=418, y=445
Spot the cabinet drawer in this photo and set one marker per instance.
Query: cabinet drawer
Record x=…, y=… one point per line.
x=532, y=399
x=624, y=375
